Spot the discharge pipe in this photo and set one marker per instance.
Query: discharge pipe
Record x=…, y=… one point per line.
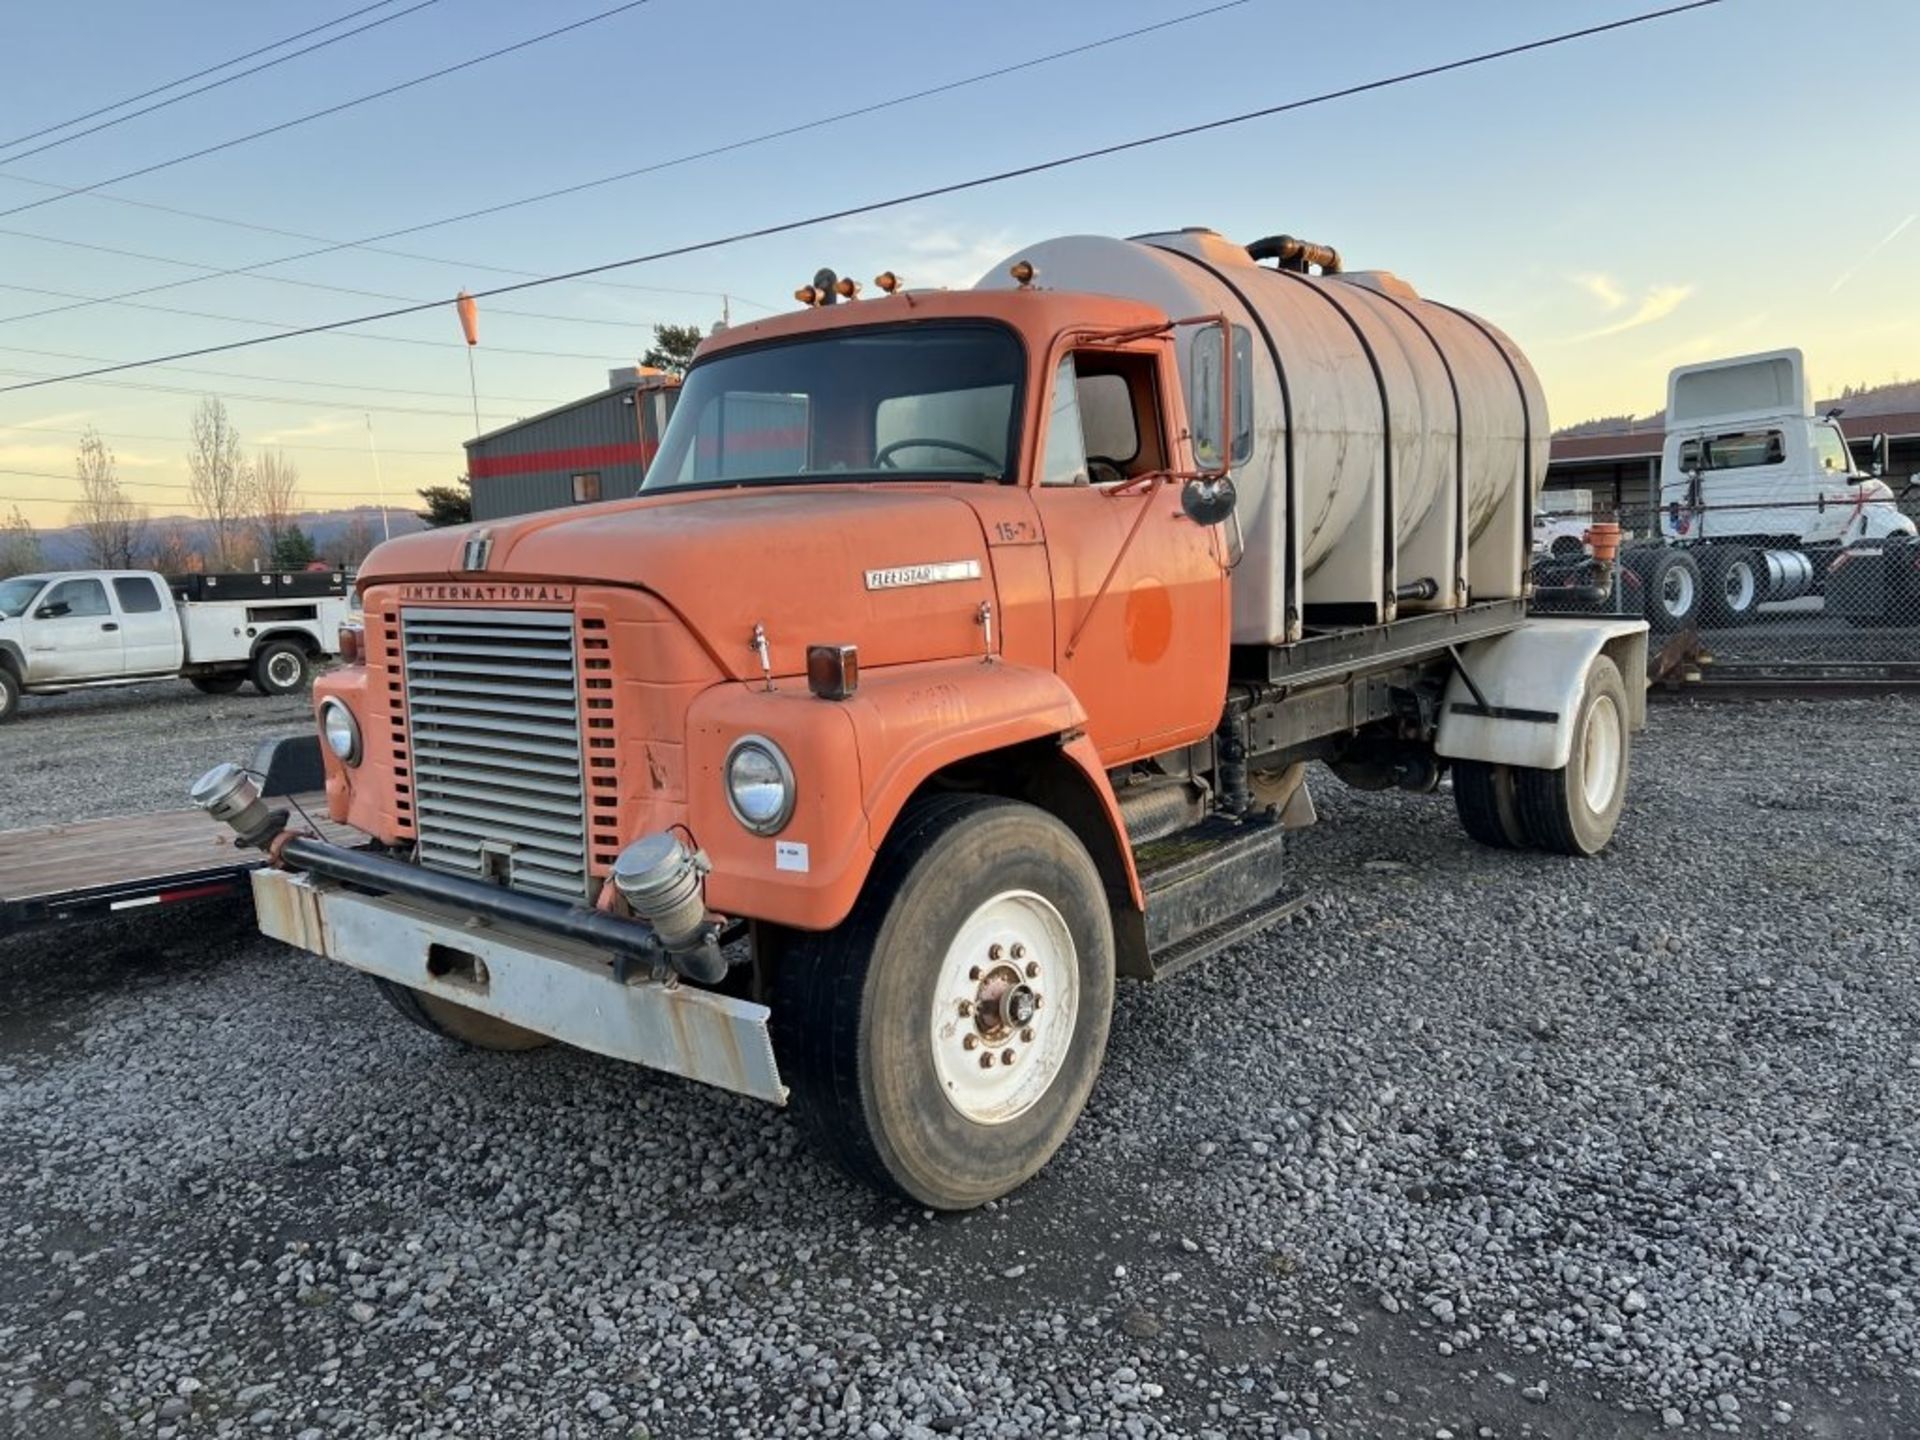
x=1294, y=254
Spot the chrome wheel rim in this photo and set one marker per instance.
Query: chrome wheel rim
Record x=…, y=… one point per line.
x=283, y=669
x=1676, y=591
x=1739, y=587
x=1004, y=1004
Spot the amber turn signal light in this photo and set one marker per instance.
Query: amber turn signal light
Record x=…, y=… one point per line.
x=1022, y=273
x=833, y=671
x=807, y=295
x=887, y=281
x=352, y=645
x=846, y=288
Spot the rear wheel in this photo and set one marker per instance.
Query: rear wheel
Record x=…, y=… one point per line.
x=1671, y=592
x=1733, y=588
x=943, y=1040
x=456, y=1022
x=1483, y=794
x=1574, y=810
x=9, y=695
x=279, y=668
x=216, y=684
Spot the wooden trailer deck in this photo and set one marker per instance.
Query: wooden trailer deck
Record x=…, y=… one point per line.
x=90, y=868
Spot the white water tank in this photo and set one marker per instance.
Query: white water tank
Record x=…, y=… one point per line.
x=1397, y=443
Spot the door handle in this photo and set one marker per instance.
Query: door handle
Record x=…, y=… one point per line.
x=109, y=625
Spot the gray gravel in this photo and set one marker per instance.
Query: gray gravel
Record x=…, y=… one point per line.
x=1478, y=1145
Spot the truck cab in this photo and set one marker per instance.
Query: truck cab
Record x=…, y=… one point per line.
x=914, y=700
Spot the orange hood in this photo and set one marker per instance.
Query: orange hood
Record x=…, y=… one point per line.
x=800, y=561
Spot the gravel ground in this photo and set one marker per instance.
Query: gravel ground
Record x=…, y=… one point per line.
x=1477, y=1145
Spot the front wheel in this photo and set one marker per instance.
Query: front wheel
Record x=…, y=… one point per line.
x=9, y=695
x=943, y=1040
x=457, y=1022
x=1574, y=810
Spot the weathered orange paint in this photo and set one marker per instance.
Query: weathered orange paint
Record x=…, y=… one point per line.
x=668, y=587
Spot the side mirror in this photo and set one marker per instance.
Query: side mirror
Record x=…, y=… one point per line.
x=1208, y=501
x=52, y=611
x=1877, y=454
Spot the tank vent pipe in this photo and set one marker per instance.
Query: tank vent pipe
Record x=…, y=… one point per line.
x=1296, y=255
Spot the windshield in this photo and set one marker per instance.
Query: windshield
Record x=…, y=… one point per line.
x=16, y=594
x=904, y=401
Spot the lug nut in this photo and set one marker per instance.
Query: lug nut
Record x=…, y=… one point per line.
x=993, y=952
x=966, y=1008
x=986, y=1061
x=971, y=1042
x=1026, y=1036
x=1006, y=1056
x=1033, y=970
x=974, y=973
x=1019, y=951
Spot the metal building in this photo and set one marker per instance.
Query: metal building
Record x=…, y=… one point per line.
x=597, y=448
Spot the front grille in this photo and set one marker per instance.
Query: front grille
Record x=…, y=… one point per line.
x=494, y=719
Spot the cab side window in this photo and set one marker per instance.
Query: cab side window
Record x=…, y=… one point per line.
x=136, y=594
x=77, y=597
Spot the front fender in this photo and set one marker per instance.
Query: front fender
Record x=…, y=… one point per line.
x=856, y=764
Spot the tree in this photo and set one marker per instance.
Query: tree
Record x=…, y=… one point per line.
x=114, y=526
x=171, y=553
x=351, y=546
x=19, y=546
x=447, y=504
x=673, y=347
x=219, y=481
x=273, y=498
x=292, y=549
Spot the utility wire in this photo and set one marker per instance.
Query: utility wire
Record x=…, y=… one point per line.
x=182, y=440
x=156, y=485
x=930, y=193
x=189, y=79
x=341, y=404
x=322, y=113
x=348, y=334
x=211, y=85
x=228, y=222
x=730, y=147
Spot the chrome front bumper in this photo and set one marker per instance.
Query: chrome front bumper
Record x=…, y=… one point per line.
x=552, y=986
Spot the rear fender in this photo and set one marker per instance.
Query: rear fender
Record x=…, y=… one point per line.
x=1532, y=679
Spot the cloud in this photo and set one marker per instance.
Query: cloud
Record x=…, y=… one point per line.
x=1660, y=302
x=1885, y=240
x=926, y=253
x=314, y=429
x=1602, y=287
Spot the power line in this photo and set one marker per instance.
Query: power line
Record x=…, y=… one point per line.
x=291, y=379
x=212, y=85
x=182, y=440
x=252, y=272
x=154, y=485
x=932, y=192
x=228, y=222
x=192, y=390
x=368, y=241
x=335, y=109
x=349, y=334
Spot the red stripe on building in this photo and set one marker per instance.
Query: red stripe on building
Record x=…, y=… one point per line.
x=581, y=457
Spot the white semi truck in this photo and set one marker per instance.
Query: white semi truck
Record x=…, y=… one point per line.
x=1758, y=495
x=81, y=629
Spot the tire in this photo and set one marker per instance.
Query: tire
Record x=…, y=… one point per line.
x=1483, y=794
x=9, y=696
x=892, y=1029
x=1574, y=810
x=1671, y=595
x=456, y=1022
x=279, y=668
x=216, y=684
x=1565, y=547
x=1733, y=587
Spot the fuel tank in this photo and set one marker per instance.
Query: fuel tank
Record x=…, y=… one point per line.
x=1396, y=444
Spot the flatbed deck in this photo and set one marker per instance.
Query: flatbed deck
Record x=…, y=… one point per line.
x=90, y=868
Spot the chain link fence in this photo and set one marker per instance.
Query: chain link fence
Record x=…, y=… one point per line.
x=1727, y=602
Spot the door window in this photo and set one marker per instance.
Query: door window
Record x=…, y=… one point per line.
x=1830, y=452
x=137, y=595
x=77, y=597
x=1066, y=459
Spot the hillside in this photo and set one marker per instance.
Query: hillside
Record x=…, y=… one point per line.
x=1892, y=398
x=65, y=548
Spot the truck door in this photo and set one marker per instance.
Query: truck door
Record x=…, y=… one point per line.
x=1147, y=656
x=73, y=634
x=149, y=633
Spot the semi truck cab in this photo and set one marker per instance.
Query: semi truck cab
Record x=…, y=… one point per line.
x=962, y=653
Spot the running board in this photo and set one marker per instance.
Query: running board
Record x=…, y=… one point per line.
x=1210, y=886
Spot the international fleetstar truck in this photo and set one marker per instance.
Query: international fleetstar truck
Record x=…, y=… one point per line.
x=962, y=652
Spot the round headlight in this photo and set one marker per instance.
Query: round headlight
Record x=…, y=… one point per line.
x=341, y=731
x=760, y=788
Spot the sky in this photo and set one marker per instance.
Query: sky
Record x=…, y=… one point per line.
x=1719, y=182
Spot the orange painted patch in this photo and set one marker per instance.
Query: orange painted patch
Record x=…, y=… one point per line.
x=1149, y=626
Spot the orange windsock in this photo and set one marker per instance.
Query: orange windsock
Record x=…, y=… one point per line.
x=469, y=317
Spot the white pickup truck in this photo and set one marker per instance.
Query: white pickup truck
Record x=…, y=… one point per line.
x=78, y=629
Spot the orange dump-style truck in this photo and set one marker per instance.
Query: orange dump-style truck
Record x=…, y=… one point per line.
x=962, y=652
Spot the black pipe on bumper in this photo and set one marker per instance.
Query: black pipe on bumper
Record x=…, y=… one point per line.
x=395, y=877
